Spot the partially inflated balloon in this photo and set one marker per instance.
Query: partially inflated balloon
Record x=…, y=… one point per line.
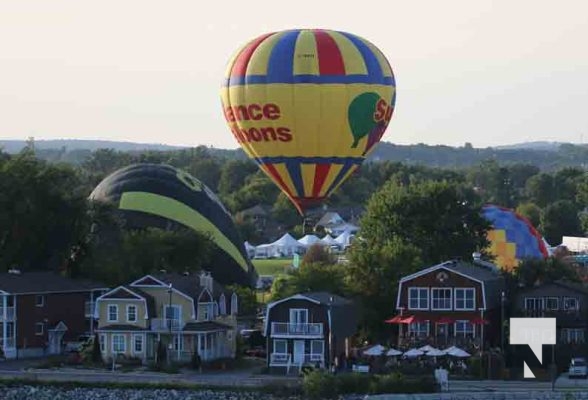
x=308, y=106
x=512, y=237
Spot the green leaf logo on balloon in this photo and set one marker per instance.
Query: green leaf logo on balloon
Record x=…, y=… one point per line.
x=368, y=115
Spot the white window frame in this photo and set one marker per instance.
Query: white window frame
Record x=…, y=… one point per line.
x=572, y=335
x=322, y=346
x=102, y=339
x=417, y=333
x=113, y=342
x=42, y=303
x=576, y=300
x=418, y=297
x=447, y=289
x=174, y=306
x=300, y=311
x=37, y=325
x=464, y=333
x=142, y=342
x=464, y=290
x=276, y=341
x=546, y=302
x=115, y=307
x=129, y=307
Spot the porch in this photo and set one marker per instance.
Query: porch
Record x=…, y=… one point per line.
x=297, y=353
x=182, y=346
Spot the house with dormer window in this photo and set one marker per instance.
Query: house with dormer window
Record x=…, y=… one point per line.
x=188, y=313
x=452, y=303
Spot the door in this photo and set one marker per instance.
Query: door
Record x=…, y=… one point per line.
x=298, y=320
x=298, y=357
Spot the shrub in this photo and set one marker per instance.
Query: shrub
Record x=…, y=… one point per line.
x=353, y=383
x=319, y=385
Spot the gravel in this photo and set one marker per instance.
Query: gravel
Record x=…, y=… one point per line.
x=56, y=393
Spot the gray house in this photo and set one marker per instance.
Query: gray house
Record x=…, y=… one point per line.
x=308, y=329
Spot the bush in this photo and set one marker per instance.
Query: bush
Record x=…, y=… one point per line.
x=319, y=385
x=353, y=383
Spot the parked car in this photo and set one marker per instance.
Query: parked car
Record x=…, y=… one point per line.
x=578, y=368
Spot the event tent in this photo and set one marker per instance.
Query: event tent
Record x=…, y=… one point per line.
x=309, y=240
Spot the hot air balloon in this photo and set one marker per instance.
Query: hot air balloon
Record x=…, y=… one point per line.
x=308, y=105
x=161, y=196
x=512, y=237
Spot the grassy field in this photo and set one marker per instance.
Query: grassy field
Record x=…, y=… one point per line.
x=273, y=267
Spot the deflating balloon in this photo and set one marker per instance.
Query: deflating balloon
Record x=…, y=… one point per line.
x=308, y=106
x=512, y=237
x=161, y=196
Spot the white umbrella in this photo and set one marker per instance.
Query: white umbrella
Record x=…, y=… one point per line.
x=427, y=348
x=413, y=353
x=457, y=352
x=376, y=350
x=435, y=353
x=393, y=352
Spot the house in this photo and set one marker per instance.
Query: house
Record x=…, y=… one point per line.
x=452, y=303
x=565, y=301
x=308, y=329
x=41, y=311
x=188, y=313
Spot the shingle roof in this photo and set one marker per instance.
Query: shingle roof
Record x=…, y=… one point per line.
x=325, y=298
x=206, y=326
x=44, y=282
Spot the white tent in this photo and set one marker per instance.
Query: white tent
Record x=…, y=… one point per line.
x=249, y=249
x=266, y=251
x=344, y=239
x=286, y=246
x=336, y=230
x=309, y=240
x=376, y=350
x=328, y=240
x=413, y=353
x=456, y=352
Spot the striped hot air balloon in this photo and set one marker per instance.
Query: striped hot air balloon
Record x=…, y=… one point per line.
x=308, y=105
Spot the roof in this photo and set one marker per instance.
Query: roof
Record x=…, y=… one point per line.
x=190, y=284
x=573, y=286
x=121, y=327
x=148, y=299
x=327, y=298
x=206, y=326
x=44, y=282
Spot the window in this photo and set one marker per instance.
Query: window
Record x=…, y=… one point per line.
x=137, y=344
x=533, y=303
x=112, y=313
x=179, y=343
x=464, y=328
x=572, y=335
x=222, y=305
x=118, y=344
x=418, y=298
x=317, y=347
x=103, y=343
x=131, y=313
x=419, y=328
x=234, y=304
x=39, y=328
x=172, y=312
x=441, y=298
x=552, y=303
x=465, y=298
x=280, y=346
x=39, y=300
x=571, y=303
x=298, y=316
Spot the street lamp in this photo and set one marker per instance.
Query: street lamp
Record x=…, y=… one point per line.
x=169, y=321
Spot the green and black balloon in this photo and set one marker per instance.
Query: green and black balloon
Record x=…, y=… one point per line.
x=161, y=196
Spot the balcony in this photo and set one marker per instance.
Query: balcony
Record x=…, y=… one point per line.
x=9, y=314
x=564, y=317
x=297, y=330
x=163, y=324
x=280, y=359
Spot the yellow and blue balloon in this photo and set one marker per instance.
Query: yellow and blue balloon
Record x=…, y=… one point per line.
x=308, y=105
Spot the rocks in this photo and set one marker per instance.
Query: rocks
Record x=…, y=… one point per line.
x=57, y=393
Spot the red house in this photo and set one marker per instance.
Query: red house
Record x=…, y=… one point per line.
x=453, y=303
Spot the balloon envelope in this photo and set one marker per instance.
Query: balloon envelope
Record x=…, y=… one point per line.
x=512, y=237
x=308, y=105
x=161, y=196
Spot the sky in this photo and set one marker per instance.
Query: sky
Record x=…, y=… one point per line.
x=485, y=72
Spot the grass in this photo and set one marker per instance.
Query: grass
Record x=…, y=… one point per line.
x=276, y=266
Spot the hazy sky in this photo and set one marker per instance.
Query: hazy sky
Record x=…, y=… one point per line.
x=485, y=72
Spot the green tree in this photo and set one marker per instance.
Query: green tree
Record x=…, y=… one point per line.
x=318, y=254
x=443, y=219
x=541, y=189
x=310, y=277
x=285, y=212
x=233, y=175
x=247, y=299
x=530, y=211
x=372, y=277
x=533, y=271
x=560, y=219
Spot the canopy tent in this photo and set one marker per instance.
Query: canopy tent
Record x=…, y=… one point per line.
x=266, y=251
x=376, y=350
x=413, y=353
x=329, y=240
x=340, y=228
x=250, y=249
x=344, y=239
x=309, y=240
x=393, y=352
x=286, y=246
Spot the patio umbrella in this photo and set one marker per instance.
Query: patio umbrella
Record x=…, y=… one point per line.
x=376, y=350
x=457, y=352
x=427, y=348
x=413, y=353
x=435, y=353
x=479, y=321
x=393, y=352
x=396, y=320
